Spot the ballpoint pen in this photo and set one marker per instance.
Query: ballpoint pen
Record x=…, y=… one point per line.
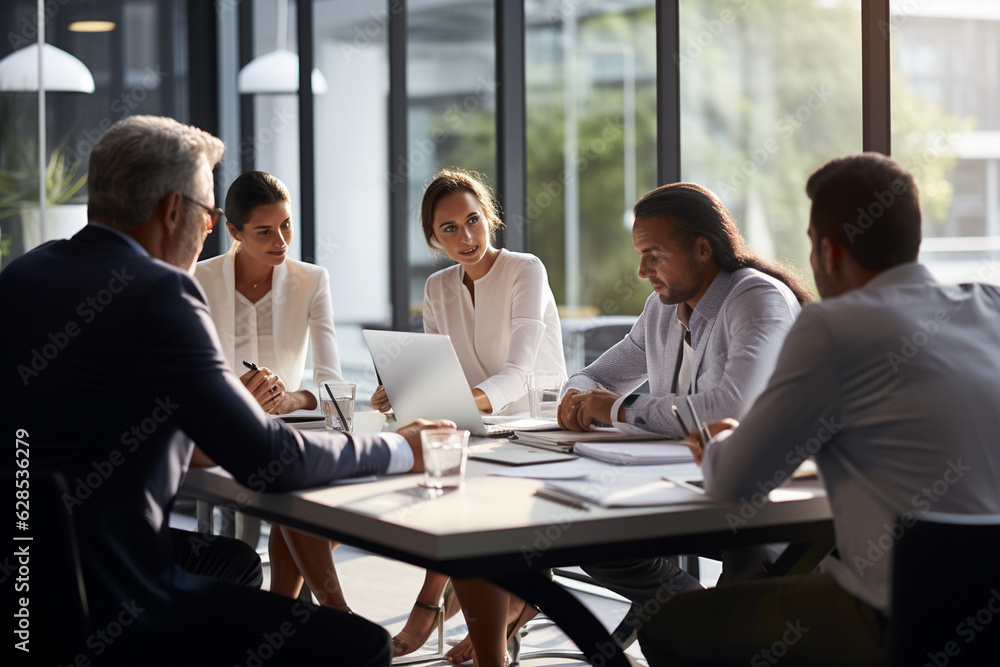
x=706, y=435
x=680, y=420
x=559, y=497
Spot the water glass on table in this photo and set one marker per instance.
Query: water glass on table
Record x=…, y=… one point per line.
x=336, y=402
x=543, y=393
x=445, y=454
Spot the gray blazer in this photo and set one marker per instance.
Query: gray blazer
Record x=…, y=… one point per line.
x=737, y=330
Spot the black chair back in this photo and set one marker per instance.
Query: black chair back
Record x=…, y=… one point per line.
x=946, y=592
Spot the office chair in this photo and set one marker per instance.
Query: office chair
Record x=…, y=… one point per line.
x=946, y=591
x=44, y=570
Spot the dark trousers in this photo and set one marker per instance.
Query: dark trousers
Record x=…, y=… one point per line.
x=211, y=614
x=222, y=558
x=806, y=620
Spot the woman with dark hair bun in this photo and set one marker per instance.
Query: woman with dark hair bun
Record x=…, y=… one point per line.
x=267, y=309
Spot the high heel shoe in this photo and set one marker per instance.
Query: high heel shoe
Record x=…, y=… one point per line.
x=514, y=633
x=405, y=643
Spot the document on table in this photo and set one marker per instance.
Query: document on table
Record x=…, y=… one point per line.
x=564, y=441
x=636, y=453
x=626, y=491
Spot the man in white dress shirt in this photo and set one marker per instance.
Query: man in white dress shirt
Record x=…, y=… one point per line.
x=891, y=383
x=710, y=331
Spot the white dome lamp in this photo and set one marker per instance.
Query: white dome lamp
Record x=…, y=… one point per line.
x=63, y=72
x=277, y=72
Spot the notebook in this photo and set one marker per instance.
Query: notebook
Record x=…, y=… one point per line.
x=424, y=379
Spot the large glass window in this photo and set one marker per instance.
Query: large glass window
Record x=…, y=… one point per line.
x=451, y=112
x=274, y=87
x=105, y=61
x=351, y=157
x=946, y=129
x=591, y=146
x=769, y=93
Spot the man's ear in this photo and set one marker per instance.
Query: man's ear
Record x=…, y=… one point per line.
x=171, y=210
x=831, y=254
x=702, y=249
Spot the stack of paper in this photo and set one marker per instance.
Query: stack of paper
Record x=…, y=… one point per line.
x=636, y=453
x=625, y=491
x=564, y=441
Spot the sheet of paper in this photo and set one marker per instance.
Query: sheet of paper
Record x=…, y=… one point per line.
x=627, y=491
x=636, y=453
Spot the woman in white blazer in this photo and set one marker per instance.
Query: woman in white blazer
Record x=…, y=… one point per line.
x=499, y=311
x=266, y=308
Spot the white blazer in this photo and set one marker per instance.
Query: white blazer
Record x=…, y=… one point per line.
x=302, y=307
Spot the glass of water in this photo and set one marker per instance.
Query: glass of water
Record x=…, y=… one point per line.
x=543, y=393
x=343, y=393
x=445, y=454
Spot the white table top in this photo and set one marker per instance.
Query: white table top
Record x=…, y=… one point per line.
x=494, y=516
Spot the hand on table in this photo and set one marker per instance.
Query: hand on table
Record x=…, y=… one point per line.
x=412, y=434
x=580, y=409
x=697, y=447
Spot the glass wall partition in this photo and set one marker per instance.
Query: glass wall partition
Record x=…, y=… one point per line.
x=451, y=110
x=591, y=146
x=104, y=61
x=350, y=40
x=946, y=129
x=769, y=93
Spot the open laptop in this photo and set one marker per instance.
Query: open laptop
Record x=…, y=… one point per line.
x=423, y=379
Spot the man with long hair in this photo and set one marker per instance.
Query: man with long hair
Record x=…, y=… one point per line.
x=710, y=331
x=890, y=383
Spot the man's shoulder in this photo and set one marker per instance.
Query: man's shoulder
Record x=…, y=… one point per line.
x=752, y=286
x=210, y=267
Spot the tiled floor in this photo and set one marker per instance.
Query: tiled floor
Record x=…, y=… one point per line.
x=382, y=590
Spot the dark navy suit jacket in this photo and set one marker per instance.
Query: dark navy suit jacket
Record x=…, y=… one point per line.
x=112, y=365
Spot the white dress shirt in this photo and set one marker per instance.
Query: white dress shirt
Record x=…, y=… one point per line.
x=895, y=389
x=512, y=329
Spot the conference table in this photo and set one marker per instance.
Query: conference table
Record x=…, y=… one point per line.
x=496, y=528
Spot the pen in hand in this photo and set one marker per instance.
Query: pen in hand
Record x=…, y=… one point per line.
x=251, y=365
x=706, y=435
x=680, y=420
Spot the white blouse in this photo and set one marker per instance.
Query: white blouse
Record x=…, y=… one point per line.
x=513, y=327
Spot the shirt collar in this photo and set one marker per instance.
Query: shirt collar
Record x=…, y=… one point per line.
x=911, y=272
x=710, y=304
x=126, y=237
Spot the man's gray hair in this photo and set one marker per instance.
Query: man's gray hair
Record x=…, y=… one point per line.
x=138, y=161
